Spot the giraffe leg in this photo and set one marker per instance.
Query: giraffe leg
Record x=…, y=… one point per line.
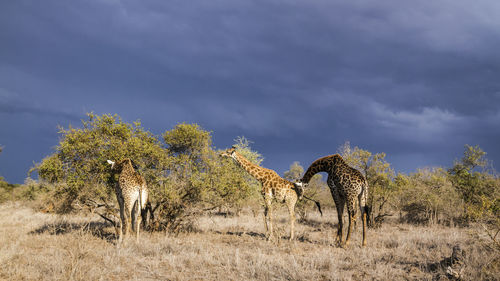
x=135, y=219
x=291, y=210
x=349, y=229
x=122, y=223
x=119, y=229
x=363, y=209
x=339, y=204
x=266, y=210
x=137, y=213
x=364, y=230
x=351, y=213
x=128, y=219
x=269, y=217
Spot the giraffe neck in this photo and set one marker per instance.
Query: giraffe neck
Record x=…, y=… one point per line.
x=323, y=164
x=251, y=168
x=127, y=169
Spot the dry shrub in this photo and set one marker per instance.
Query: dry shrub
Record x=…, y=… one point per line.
x=415, y=213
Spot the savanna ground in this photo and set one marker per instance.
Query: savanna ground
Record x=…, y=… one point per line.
x=41, y=246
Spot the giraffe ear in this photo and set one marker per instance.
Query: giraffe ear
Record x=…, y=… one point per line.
x=111, y=162
x=233, y=147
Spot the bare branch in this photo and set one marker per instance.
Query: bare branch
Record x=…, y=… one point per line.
x=107, y=219
x=317, y=204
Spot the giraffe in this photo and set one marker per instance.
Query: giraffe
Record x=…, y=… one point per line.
x=274, y=187
x=346, y=183
x=131, y=190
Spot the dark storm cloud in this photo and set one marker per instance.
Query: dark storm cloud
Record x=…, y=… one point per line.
x=416, y=80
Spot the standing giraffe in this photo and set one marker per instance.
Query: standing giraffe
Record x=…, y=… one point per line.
x=273, y=187
x=132, y=195
x=346, y=185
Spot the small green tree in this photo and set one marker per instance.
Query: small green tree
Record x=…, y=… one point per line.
x=190, y=148
x=477, y=186
x=233, y=187
x=201, y=177
x=295, y=172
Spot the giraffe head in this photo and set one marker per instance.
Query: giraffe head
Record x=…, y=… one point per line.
x=299, y=188
x=118, y=166
x=230, y=152
x=299, y=184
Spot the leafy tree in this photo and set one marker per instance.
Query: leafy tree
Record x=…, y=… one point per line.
x=79, y=161
x=201, y=176
x=188, y=139
x=295, y=173
x=190, y=148
x=242, y=145
x=51, y=169
x=231, y=186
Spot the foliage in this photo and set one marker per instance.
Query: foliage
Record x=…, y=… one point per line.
x=479, y=188
x=5, y=190
x=231, y=186
x=202, y=176
x=242, y=145
x=228, y=186
x=80, y=159
x=294, y=173
x=182, y=174
x=51, y=169
x=188, y=139
x=427, y=197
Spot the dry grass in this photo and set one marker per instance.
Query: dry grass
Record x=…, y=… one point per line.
x=47, y=247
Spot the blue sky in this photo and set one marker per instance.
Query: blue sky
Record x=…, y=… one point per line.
x=414, y=79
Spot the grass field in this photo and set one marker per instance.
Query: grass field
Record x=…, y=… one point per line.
x=37, y=246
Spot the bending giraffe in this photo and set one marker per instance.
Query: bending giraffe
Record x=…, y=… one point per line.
x=132, y=195
x=273, y=188
x=346, y=185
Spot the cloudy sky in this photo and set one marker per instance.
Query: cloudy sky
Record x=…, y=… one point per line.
x=415, y=79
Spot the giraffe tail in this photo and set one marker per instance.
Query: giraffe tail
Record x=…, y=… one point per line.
x=318, y=205
x=143, y=198
x=140, y=199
